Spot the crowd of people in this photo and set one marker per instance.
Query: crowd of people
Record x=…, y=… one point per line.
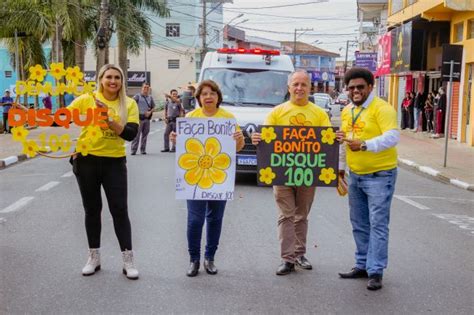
x=423, y=112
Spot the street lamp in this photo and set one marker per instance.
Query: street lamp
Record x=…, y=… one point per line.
x=235, y=18
x=243, y=21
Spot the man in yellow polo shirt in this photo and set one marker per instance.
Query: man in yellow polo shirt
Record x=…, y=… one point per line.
x=294, y=203
x=369, y=129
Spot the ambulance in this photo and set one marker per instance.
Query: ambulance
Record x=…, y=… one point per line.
x=253, y=82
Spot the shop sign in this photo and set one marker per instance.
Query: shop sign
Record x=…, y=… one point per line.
x=383, y=54
x=366, y=60
x=401, y=48
x=134, y=78
x=451, y=52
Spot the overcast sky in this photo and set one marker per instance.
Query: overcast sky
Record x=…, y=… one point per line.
x=328, y=19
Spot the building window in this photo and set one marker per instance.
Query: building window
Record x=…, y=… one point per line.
x=173, y=63
x=397, y=5
x=172, y=29
x=217, y=34
x=470, y=29
x=433, y=39
x=8, y=74
x=458, y=30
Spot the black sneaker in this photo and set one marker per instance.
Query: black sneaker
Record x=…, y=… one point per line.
x=303, y=263
x=165, y=150
x=375, y=282
x=285, y=268
x=173, y=150
x=134, y=153
x=355, y=273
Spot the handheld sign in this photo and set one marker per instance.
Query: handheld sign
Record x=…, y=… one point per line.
x=205, y=158
x=297, y=156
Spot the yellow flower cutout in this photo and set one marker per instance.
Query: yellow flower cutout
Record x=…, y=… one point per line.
x=327, y=175
x=268, y=134
x=83, y=146
x=358, y=128
x=19, y=133
x=267, y=175
x=37, y=73
x=74, y=74
x=299, y=120
x=328, y=136
x=30, y=148
x=57, y=70
x=204, y=164
x=94, y=133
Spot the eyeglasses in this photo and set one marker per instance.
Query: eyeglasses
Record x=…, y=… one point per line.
x=358, y=87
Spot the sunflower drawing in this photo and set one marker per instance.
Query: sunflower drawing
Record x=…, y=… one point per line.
x=204, y=163
x=299, y=120
x=268, y=134
x=328, y=136
x=327, y=175
x=267, y=175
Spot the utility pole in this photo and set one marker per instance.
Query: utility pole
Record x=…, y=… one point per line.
x=347, y=52
x=204, y=31
x=17, y=56
x=294, y=40
x=102, y=34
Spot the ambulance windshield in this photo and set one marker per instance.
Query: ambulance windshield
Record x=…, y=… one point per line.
x=250, y=87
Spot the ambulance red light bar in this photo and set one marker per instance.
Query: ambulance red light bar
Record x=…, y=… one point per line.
x=255, y=51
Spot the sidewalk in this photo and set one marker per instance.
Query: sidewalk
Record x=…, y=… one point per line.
x=420, y=152
x=416, y=151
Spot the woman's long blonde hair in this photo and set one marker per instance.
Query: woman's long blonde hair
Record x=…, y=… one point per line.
x=123, y=113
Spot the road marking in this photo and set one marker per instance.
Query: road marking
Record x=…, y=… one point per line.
x=428, y=170
x=48, y=186
x=68, y=174
x=442, y=198
x=462, y=221
x=17, y=205
x=411, y=202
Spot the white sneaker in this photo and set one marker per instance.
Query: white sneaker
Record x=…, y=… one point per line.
x=93, y=262
x=128, y=266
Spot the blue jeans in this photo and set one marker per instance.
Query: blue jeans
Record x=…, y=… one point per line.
x=199, y=211
x=370, y=197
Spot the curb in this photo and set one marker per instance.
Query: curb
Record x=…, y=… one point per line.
x=436, y=174
x=14, y=159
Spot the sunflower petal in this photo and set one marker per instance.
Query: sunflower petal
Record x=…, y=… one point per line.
x=213, y=147
x=206, y=181
x=193, y=176
x=194, y=146
x=217, y=175
x=222, y=161
x=188, y=161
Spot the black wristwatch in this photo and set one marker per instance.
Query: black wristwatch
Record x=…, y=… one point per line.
x=363, y=146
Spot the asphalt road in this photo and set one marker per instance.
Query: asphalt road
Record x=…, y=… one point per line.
x=43, y=248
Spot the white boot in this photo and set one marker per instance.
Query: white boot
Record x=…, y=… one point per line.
x=93, y=262
x=128, y=266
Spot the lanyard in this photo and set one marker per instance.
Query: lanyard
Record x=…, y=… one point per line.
x=354, y=119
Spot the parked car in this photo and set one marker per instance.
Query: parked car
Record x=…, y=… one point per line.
x=324, y=103
x=342, y=100
x=324, y=95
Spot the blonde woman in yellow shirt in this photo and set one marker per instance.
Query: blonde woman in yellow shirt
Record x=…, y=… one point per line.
x=104, y=165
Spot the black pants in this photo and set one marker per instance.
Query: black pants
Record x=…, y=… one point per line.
x=6, y=127
x=170, y=126
x=92, y=173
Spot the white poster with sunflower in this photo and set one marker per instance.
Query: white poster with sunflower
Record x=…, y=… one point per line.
x=205, y=158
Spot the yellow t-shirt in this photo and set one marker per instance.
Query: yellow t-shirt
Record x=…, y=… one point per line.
x=372, y=122
x=290, y=114
x=110, y=144
x=221, y=113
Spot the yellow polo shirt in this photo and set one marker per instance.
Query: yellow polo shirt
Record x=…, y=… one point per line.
x=221, y=113
x=290, y=114
x=371, y=122
x=110, y=144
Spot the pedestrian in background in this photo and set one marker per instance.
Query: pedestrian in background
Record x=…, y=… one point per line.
x=429, y=112
x=173, y=110
x=48, y=101
x=405, y=111
x=440, y=114
x=209, y=98
x=369, y=128
x=6, y=102
x=146, y=104
x=105, y=166
x=294, y=203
